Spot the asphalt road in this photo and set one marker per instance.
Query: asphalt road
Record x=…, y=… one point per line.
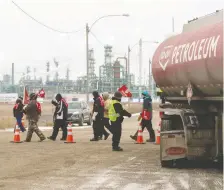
x=94, y=166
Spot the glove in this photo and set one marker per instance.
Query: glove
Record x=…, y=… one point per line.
x=129, y=115
x=54, y=102
x=139, y=117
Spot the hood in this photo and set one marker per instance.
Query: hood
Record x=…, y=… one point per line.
x=105, y=96
x=146, y=95
x=95, y=94
x=114, y=98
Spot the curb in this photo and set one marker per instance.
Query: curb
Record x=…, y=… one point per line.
x=45, y=128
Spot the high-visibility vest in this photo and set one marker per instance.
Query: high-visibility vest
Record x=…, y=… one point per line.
x=112, y=113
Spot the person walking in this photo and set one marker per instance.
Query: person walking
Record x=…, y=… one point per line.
x=106, y=122
x=146, y=117
x=59, y=117
x=97, y=116
x=116, y=116
x=18, y=113
x=33, y=113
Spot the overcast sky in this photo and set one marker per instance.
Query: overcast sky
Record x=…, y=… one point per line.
x=25, y=42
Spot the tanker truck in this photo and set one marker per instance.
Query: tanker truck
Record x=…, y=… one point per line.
x=188, y=70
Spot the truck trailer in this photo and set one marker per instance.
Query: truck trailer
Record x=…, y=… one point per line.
x=188, y=69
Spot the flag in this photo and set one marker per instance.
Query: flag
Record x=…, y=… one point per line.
x=41, y=93
x=25, y=96
x=124, y=91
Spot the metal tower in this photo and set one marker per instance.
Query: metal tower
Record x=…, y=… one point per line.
x=48, y=69
x=140, y=62
x=28, y=72
x=67, y=74
x=56, y=73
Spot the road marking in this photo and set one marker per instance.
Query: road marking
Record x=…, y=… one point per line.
x=183, y=182
x=133, y=186
x=202, y=184
x=132, y=158
x=170, y=187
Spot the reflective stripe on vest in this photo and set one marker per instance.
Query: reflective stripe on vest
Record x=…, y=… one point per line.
x=112, y=114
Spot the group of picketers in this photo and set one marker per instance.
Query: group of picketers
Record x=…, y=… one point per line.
x=110, y=113
x=106, y=112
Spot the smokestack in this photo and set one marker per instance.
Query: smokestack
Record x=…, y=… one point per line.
x=12, y=73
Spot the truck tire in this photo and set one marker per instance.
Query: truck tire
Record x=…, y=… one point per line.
x=166, y=124
x=166, y=163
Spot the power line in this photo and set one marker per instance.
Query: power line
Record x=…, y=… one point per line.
x=55, y=30
x=97, y=38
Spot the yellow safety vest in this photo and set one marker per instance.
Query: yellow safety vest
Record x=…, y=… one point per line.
x=112, y=113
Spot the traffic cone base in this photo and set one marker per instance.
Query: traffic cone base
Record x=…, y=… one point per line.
x=158, y=135
x=16, y=135
x=69, y=138
x=140, y=137
x=157, y=140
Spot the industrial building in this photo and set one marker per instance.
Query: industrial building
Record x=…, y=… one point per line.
x=112, y=75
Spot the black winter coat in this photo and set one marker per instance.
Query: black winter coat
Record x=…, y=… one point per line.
x=98, y=107
x=120, y=110
x=18, y=109
x=61, y=110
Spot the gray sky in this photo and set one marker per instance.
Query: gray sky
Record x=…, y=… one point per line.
x=25, y=42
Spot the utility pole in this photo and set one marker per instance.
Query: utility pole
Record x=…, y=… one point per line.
x=12, y=73
x=34, y=73
x=129, y=82
x=173, y=24
x=87, y=62
x=150, y=77
x=140, y=62
x=48, y=69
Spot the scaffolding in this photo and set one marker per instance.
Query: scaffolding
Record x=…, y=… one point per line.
x=112, y=75
x=92, y=74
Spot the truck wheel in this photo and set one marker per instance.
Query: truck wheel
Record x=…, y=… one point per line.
x=81, y=121
x=166, y=163
x=166, y=125
x=90, y=120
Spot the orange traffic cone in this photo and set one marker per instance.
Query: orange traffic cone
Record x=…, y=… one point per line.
x=158, y=134
x=17, y=135
x=140, y=136
x=69, y=135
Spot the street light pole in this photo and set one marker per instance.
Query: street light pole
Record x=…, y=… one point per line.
x=130, y=49
x=87, y=62
x=129, y=78
x=127, y=71
x=88, y=29
x=150, y=78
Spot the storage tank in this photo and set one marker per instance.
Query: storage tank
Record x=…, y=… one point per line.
x=117, y=70
x=194, y=57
